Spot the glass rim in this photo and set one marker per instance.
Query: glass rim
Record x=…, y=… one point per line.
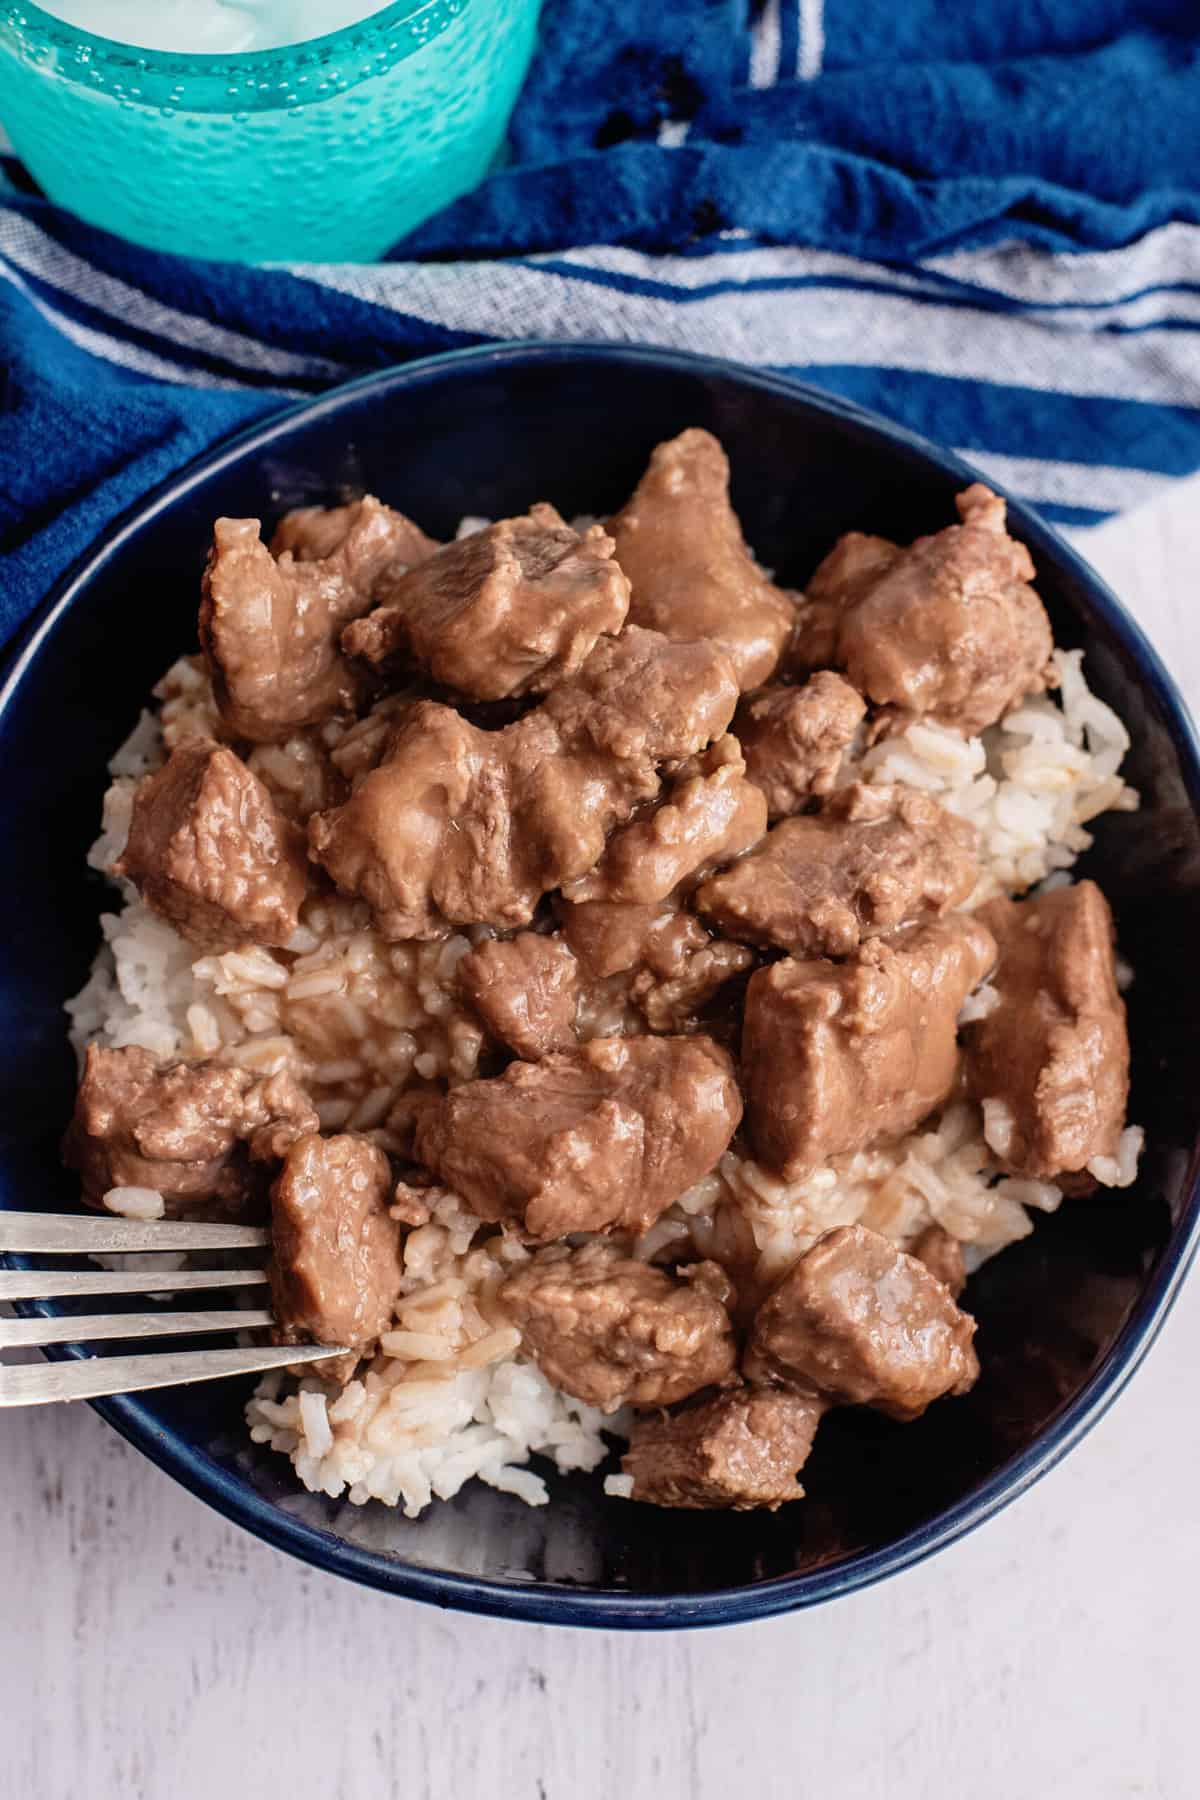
x=105, y=53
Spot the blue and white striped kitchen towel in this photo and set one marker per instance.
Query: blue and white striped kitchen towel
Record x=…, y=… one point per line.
x=981, y=219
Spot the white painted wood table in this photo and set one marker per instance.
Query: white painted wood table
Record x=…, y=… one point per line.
x=153, y=1652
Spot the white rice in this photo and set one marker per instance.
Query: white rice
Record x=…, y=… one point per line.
x=353, y=1018
x=449, y=1398
x=943, y=1175
x=1031, y=784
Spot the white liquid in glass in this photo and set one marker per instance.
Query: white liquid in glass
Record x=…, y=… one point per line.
x=211, y=27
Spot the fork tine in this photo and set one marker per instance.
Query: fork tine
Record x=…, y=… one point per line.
x=91, y=1377
x=46, y=1284
x=84, y=1328
x=68, y=1234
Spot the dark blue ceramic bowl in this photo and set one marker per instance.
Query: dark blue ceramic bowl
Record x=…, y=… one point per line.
x=1064, y=1317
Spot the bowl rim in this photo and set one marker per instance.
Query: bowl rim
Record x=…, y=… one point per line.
x=560, y=1603
x=93, y=57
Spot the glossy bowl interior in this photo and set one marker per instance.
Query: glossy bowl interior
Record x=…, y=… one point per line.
x=1063, y=1315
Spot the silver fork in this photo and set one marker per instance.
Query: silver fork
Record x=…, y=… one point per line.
x=88, y=1377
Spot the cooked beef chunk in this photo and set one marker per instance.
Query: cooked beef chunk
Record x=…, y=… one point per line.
x=337, y=1261
x=364, y=744
x=860, y=1321
x=189, y=1129
x=270, y=626
x=872, y=859
x=704, y=821
x=949, y=629
x=410, y=1104
x=526, y=991
x=461, y=825
x=839, y=1056
x=641, y=697
x=616, y=1332
x=675, y=966
x=739, y=1450
x=602, y=1137
x=611, y=936
x=513, y=609
x=943, y=1257
x=679, y=541
x=679, y=977
x=846, y=576
x=210, y=851
x=451, y=826
x=1053, y=1056
x=794, y=738
x=315, y=533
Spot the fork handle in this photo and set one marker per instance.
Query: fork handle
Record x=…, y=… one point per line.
x=88, y=1378
x=75, y=1234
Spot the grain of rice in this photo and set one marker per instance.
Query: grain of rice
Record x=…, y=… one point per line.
x=330, y=1074
x=661, y=1236
x=134, y=1202
x=359, y=953
x=205, y=1029
x=703, y=1196
x=277, y=1412
x=998, y=1126
x=260, y=1017
x=267, y=1055
x=349, y=1015
x=442, y=1321
x=416, y=1346
x=1120, y=1171
x=1024, y=1191
x=497, y=1344
x=526, y=1486
x=371, y=1110
x=253, y=969
x=314, y=1420
x=348, y=1404
x=452, y=1288
x=332, y=1114
x=314, y=986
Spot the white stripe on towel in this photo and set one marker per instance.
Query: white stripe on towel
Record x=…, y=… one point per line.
x=1050, y=283
x=810, y=47
x=37, y=253
x=1099, y=487
x=782, y=326
x=1165, y=257
x=765, y=45
x=125, y=356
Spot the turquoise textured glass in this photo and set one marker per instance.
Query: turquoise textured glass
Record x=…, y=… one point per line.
x=323, y=150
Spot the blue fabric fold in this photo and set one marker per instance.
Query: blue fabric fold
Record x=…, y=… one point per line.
x=981, y=220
